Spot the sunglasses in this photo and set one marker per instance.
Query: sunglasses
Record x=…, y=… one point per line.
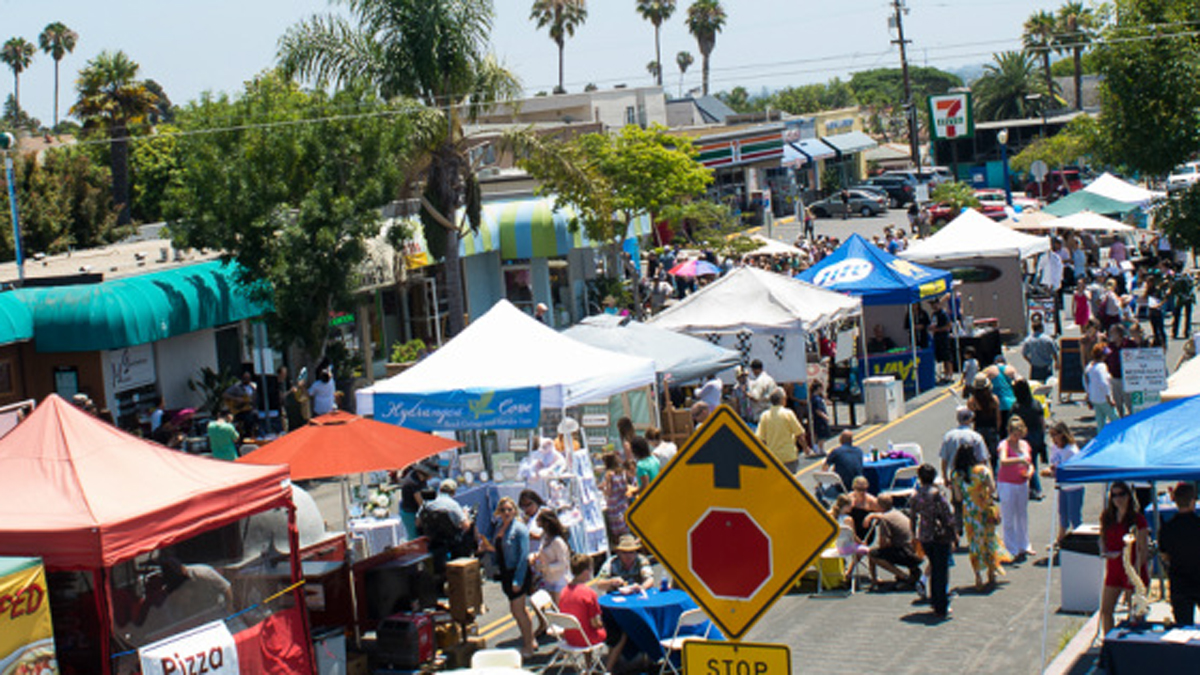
x=507, y=509
x=1119, y=494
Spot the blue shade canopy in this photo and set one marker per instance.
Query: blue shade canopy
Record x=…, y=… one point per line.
x=864, y=270
x=1161, y=443
x=684, y=357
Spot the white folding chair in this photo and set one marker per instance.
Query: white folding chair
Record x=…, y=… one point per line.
x=828, y=479
x=542, y=604
x=584, y=659
x=496, y=658
x=904, y=474
x=689, y=619
x=913, y=449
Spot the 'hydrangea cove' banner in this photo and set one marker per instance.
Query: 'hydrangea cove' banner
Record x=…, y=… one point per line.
x=462, y=409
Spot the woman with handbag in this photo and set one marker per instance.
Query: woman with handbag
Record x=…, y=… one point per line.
x=1016, y=467
x=933, y=519
x=974, y=487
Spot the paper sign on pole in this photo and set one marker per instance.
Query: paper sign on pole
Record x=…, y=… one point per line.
x=207, y=649
x=1144, y=376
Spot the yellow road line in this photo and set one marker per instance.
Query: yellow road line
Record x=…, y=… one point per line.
x=504, y=624
x=497, y=622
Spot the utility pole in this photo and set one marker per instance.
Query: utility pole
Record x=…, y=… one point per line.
x=910, y=109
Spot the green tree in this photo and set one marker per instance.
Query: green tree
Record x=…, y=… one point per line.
x=705, y=18
x=884, y=87
x=1066, y=67
x=16, y=118
x=290, y=188
x=64, y=200
x=1039, y=38
x=17, y=54
x=1179, y=217
x=1009, y=88
x=111, y=99
x=1150, y=60
x=956, y=194
x=57, y=40
x=1079, y=139
x=1076, y=25
x=656, y=12
x=562, y=17
x=654, y=70
x=153, y=162
x=435, y=51
x=684, y=60
x=737, y=98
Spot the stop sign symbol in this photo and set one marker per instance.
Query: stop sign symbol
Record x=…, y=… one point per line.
x=729, y=553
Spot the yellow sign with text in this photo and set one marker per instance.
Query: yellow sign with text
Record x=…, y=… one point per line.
x=26, y=633
x=735, y=658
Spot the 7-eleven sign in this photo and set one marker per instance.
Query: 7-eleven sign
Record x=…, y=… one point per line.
x=951, y=115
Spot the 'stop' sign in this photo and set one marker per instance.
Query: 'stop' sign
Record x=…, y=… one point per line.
x=952, y=116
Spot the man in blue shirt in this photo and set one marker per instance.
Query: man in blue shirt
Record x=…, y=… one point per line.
x=846, y=460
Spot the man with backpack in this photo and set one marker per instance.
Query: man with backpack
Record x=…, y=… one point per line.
x=933, y=524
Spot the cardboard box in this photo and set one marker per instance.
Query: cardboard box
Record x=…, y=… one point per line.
x=464, y=588
x=459, y=656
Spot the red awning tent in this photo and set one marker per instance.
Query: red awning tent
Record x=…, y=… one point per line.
x=85, y=495
x=340, y=444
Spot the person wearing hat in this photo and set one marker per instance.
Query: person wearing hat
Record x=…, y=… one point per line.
x=627, y=570
x=985, y=408
x=447, y=525
x=547, y=460
x=412, y=483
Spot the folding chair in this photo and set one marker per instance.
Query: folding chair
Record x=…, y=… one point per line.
x=908, y=473
x=584, y=659
x=844, y=541
x=496, y=658
x=542, y=605
x=825, y=480
x=689, y=619
x=913, y=449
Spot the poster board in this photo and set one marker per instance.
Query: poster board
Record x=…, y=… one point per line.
x=26, y=631
x=1070, y=377
x=1144, y=374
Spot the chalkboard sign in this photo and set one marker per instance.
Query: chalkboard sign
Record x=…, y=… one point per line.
x=1070, y=380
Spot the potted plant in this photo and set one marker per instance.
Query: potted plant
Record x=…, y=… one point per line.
x=404, y=355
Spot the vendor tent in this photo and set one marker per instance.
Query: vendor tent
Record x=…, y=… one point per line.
x=682, y=357
x=1161, y=443
x=340, y=444
x=1108, y=185
x=1030, y=220
x=768, y=246
x=1183, y=383
x=1082, y=200
x=1086, y=220
x=974, y=235
x=864, y=270
x=83, y=494
x=500, y=373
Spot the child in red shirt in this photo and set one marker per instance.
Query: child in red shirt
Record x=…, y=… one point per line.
x=579, y=600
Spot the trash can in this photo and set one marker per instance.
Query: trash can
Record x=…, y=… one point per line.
x=1082, y=569
x=884, y=398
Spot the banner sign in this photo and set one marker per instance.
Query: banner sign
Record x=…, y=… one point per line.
x=26, y=632
x=130, y=368
x=1144, y=376
x=207, y=649
x=462, y=409
x=952, y=116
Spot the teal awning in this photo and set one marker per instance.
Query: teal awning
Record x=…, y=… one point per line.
x=136, y=310
x=16, y=321
x=1082, y=200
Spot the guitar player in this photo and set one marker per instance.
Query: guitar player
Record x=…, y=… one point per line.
x=239, y=399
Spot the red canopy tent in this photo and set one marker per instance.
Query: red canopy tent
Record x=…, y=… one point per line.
x=340, y=444
x=85, y=495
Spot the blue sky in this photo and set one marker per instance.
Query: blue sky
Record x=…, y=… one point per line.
x=190, y=47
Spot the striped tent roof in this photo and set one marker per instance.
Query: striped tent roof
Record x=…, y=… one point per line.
x=532, y=228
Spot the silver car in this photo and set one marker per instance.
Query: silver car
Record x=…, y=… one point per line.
x=861, y=202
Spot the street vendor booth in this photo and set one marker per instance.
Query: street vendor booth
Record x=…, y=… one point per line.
x=987, y=258
x=502, y=382
x=888, y=287
x=144, y=544
x=26, y=631
x=683, y=358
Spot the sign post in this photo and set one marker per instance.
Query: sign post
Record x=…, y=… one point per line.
x=733, y=527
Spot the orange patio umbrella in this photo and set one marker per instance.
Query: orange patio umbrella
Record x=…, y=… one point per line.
x=341, y=444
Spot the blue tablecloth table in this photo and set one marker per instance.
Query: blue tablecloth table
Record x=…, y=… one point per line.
x=879, y=473
x=1129, y=649
x=651, y=618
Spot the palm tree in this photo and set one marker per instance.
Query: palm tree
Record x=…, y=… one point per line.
x=1039, y=38
x=1076, y=28
x=705, y=19
x=654, y=70
x=656, y=12
x=684, y=60
x=17, y=54
x=57, y=40
x=563, y=17
x=435, y=51
x=1009, y=88
x=111, y=98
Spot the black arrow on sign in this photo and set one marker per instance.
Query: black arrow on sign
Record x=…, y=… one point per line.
x=727, y=454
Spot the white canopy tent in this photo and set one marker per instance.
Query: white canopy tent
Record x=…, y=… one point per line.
x=1185, y=382
x=1087, y=220
x=507, y=349
x=974, y=235
x=768, y=246
x=1030, y=220
x=1108, y=185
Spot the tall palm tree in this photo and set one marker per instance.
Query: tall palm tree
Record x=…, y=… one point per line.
x=656, y=12
x=57, y=40
x=705, y=19
x=1039, y=38
x=17, y=53
x=111, y=98
x=1009, y=88
x=435, y=51
x=563, y=17
x=1076, y=29
x=684, y=60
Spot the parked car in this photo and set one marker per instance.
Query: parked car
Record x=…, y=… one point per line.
x=1183, y=177
x=900, y=190
x=1052, y=186
x=928, y=175
x=990, y=197
x=862, y=202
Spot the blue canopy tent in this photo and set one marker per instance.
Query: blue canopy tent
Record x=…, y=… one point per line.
x=861, y=269
x=1157, y=444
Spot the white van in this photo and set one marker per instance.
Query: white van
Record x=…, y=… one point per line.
x=1182, y=177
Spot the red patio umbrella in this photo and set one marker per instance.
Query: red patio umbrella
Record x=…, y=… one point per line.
x=341, y=444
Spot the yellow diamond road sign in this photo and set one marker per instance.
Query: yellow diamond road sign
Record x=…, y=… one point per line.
x=736, y=658
x=732, y=526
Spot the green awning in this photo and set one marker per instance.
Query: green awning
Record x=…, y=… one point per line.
x=137, y=310
x=16, y=321
x=1082, y=200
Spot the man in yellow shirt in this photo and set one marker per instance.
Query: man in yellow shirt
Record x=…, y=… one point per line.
x=780, y=431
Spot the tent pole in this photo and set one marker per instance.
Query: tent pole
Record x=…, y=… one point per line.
x=1049, y=575
x=811, y=441
x=862, y=333
x=912, y=338
x=955, y=318
x=100, y=591
x=298, y=574
x=1158, y=535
